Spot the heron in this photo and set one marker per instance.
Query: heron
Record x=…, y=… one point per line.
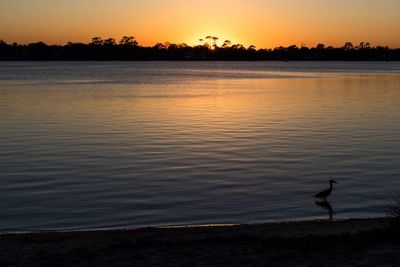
x=326, y=193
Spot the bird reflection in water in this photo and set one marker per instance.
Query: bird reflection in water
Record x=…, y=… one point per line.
x=325, y=205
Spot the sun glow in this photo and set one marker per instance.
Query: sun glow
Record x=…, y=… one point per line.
x=265, y=24
x=220, y=38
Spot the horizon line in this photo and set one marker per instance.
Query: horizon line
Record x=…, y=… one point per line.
x=203, y=43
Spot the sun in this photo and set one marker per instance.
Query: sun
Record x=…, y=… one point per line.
x=212, y=38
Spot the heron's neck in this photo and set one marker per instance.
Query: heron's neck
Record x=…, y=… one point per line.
x=331, y=186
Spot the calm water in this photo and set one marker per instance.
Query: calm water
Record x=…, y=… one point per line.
x=93, y=145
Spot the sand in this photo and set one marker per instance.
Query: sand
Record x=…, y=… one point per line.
x=367, y=242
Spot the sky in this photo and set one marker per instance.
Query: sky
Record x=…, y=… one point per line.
x=263, y=23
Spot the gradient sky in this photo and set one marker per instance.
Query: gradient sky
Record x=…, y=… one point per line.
x=264, y=23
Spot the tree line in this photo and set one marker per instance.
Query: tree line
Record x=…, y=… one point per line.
x=128, y=48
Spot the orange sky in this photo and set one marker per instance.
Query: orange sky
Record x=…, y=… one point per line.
x=264, y=23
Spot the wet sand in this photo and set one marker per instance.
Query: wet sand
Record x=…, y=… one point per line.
x=368, y=242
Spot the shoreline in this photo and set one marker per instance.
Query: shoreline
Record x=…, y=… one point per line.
x=220, y=226
x=307, y=242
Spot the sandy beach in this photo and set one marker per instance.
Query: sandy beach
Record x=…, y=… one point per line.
x=354, y=242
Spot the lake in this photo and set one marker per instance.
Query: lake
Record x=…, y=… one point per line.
x=87, y=145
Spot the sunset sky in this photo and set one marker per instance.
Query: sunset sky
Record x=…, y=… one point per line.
x=264, y=23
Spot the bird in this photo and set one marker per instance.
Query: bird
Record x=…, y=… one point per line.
x=326, y=193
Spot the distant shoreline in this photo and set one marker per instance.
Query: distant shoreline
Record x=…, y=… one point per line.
x=128, y=49
x=363, y=241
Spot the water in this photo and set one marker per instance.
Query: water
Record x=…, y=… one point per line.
x=104, y=145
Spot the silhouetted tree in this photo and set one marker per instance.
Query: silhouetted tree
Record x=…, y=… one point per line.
x=212, y=40
x=215, y=39
x=128, y=41
x=97, y=41
x=348, y=46
x=364, y=45
x=109, y=42
x=226, y=44
x=238, y=47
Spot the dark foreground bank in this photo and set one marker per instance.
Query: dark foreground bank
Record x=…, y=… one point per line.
x=370, y=242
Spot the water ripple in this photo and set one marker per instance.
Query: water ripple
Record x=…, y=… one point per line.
x=94, y=145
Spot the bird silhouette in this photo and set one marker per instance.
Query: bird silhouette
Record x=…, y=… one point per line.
x=326, y=193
